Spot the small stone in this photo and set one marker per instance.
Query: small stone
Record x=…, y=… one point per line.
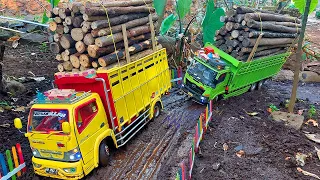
x=292, y=120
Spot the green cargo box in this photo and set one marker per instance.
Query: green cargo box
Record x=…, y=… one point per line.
x=247, y=73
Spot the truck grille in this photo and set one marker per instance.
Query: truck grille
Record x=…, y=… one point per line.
x=194, y=87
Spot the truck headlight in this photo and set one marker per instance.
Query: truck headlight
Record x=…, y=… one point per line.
x=202, y=98
x=73, y=155
x=182, y=85
x=70, y=170
x=35, y=152
x=36, y=165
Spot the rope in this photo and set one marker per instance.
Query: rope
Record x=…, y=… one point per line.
x=111, y=34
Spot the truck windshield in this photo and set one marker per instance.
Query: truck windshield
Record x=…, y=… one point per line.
x=202, y=73
x=47, y=119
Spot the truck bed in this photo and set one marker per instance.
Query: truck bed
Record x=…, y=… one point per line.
x=246, y=73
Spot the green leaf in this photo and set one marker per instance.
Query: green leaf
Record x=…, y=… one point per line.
x=183, y=7
x=54, y=3
x=167, y=23
x=301, y=4
x=211, y=22
x=45, y=19
x=159, y=5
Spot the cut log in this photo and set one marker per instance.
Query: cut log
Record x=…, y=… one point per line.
x=59, y=57
x=231, y=13
x=272, y=27
x=86, y=26
x=63, y=13
x=240, y=38
x=81, y=47
x=60, y=29
x=67, y=66
x=67, y=41
x=119, y=3
x=112, y=58
x=289, y=24
x=75, y=70
x=65, y=57
x=82, y=68
x=270, y=17
x=235, y=34
x=117, y=20
x=98, y=11
x=85, y=60
x=94, y=18
x=229, y=26
x=95, y=64
x=261, y=48
x=244, y=10
x=60, y=67
x=96, y=51
x=232, y=43
x=58, y=20
x=69, y=20
x=107, y=40
x=70, y=51
x=88, y=39
x=55, y=47
x=75, y=6
x=223, y=31
x=77, y=21
x=223, y=19
x=267, y=52
x=271, y=34
x=118, y=28
x=67, y=29
x=220, y=42
x=55, y=11
x=144, y=53
x=268, y=41
x=77, y=34
x=224, y=47
x=238, y=26
x=74, y=59
x=239, y=18
x=52, y=26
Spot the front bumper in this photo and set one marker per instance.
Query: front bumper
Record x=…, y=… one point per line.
x=58, y=166
x=196, y=96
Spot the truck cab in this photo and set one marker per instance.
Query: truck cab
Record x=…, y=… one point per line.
x=62, y=133
x=206, y=80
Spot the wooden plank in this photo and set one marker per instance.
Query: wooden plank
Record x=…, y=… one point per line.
x=153, y=34
x=125, y=40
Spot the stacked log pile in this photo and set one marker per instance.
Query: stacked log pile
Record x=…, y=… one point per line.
x=93, y=35
x=243, y=27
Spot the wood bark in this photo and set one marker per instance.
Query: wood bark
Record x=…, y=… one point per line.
x=77, y=21
x=98, y=11
x=112, y=58
x=117, y=20
x=270, y=17
x=81, y=47
x=77, y=34
x=67, y=41
x=55, y=47
x=272, y=27
x=107, y=40
x=119, y=3
x=116, y=29
x=271, y=34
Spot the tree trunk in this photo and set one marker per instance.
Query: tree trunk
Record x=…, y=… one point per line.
x=118, y=28
x=98, y=11
x=298, y=59
x=2, y=49
x=77, y=21
x=55, y=47
x=112, y=58
x=67, y=41
x=270, y=17
x=117, y=20
x=119, y=3
x=88, y=39
x=81, y=47
x=254, y=34
x=272, y=27
x=77, y=34
x=107, y=40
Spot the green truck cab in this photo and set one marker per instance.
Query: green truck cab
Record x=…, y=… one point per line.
x=226, y=77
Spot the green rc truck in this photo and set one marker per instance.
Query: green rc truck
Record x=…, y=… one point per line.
x=224, y=77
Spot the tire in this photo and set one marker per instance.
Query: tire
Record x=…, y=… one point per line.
x=260, y=84
x=253, y=87
x=104, y=154
x=156, y=110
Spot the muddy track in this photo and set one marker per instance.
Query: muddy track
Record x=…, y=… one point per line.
x=142, y=157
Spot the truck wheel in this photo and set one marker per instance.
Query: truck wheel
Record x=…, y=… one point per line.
x=156, y=110
x=104, y=154
x=260, y=84
x=253, y=87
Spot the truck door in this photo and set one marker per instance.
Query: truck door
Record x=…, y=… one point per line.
x=221, y=82
x=88, y=126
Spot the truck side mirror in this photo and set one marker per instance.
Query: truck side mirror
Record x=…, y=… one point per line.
x=66, y=127
x=17, y=123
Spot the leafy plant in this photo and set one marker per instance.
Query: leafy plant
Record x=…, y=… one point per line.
x=183, y=7
x=44, y=47
x=312, y=111
x=273, y=107
x=159, y=5
x=167, y=23
x=301, y=4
